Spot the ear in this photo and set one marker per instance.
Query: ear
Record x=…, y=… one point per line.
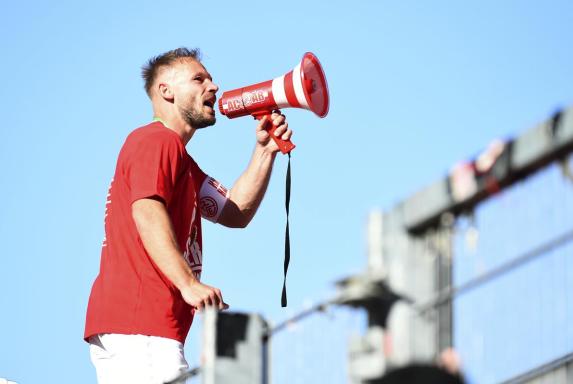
x=165, y=91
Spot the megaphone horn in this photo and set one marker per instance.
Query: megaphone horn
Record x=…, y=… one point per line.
x=303, y=87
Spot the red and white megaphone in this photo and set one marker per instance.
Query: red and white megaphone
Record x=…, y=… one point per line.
x=303, y=87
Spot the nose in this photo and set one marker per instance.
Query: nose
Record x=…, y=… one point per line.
x=212, y=87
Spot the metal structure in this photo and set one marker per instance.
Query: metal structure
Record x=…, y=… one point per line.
x=415, y=244
x=235, y=348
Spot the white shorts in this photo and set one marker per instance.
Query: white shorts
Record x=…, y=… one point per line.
x=137, y=359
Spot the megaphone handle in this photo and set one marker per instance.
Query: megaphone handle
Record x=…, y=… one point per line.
x=284, y=145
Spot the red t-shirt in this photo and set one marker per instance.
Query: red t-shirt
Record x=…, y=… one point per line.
x=131, y=295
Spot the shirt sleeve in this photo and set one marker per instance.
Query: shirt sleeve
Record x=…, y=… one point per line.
x=213, y=197
x=153, y=167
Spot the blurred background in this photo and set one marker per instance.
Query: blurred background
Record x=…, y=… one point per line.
x=416, y=89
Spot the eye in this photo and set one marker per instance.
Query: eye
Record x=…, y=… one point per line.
x=198, y=78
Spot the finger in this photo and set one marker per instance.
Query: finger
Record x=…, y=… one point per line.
x=215, y=300
x=206, y=301
x=278, y=119
x=219, y=297
x=262, y=123
x=212, y=300
x=287, y=135
x=281, y=129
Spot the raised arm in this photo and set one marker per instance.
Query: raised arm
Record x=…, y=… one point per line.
x=248, y=191
x=156, y=232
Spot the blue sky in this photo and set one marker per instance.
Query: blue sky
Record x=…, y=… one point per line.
x=415, y=87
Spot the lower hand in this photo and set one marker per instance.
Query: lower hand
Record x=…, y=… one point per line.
x=282, y=131
x=200, y=295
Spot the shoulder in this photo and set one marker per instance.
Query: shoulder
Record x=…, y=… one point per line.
x=154, y=138
x=154, y=132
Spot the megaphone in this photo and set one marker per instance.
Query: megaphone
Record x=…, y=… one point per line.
x=303, y=87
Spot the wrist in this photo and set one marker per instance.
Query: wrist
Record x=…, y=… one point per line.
x=265, y=151
x=186, y=281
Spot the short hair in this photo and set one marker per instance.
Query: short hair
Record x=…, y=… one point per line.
x=150, y=70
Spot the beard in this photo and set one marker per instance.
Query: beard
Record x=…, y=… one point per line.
x=196, y=118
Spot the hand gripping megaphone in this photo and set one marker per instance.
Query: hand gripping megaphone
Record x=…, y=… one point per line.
x=303, y=87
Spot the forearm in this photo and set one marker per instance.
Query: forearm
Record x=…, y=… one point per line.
x=158, y=238
x=249, y=190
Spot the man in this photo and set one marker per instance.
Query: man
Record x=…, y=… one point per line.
x=143, y=301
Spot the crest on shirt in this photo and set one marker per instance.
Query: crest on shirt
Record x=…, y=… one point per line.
x=209, y=206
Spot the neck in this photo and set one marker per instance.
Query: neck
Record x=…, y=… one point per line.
x=174, y=122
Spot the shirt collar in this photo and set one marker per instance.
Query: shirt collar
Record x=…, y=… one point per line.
x=156, y=118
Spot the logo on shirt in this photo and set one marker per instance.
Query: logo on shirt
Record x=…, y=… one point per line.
x=193, y=255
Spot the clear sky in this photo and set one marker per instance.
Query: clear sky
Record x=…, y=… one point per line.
x=415, y=87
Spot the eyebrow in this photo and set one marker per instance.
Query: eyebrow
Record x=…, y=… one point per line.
x=203, y=74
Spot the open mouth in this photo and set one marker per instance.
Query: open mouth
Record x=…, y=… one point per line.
x=209, y=103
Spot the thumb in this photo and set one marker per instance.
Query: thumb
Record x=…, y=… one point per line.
x=262, y=126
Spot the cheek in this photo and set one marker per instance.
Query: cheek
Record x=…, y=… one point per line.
x=186, y=99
